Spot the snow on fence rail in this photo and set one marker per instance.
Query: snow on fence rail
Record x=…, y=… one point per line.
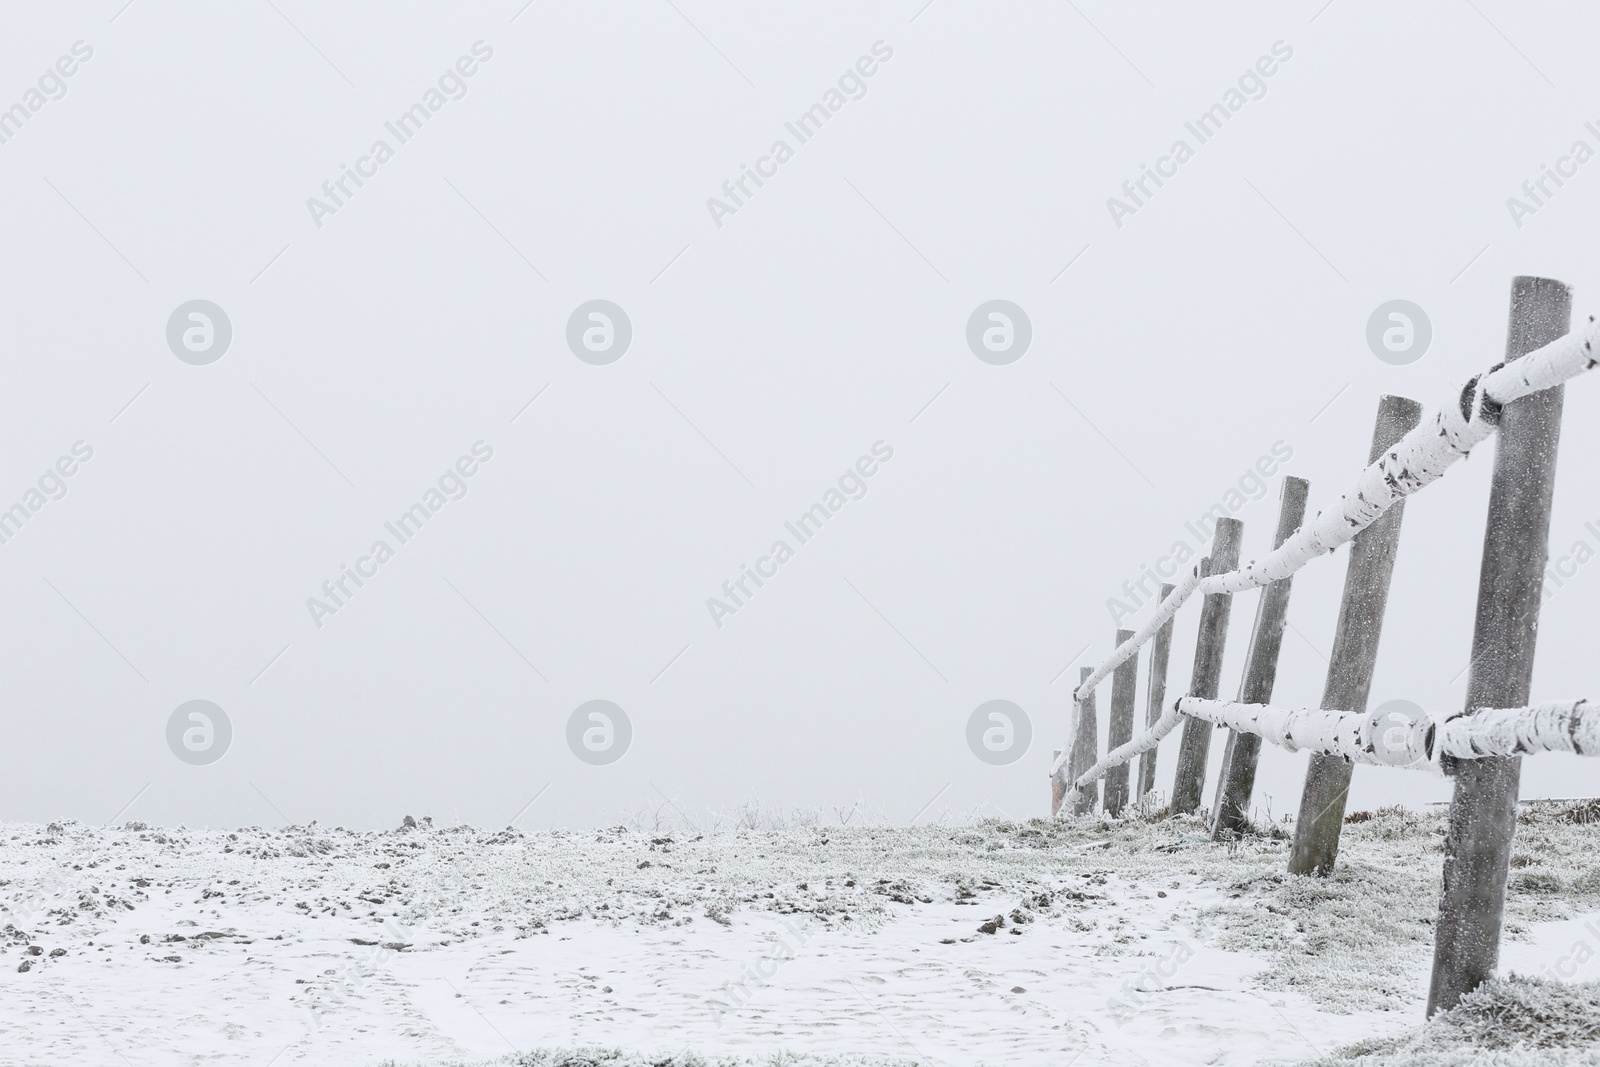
x=1421, y=458
x=1382, y=739
x=1480, y=746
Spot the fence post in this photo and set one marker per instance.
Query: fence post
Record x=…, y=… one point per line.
x=1516, y=546
x=1355, y=652
x=1206, y=677
x=1155, y=696
x=1058, y=785
x=1119, y=725
x=1085, y=743
x=1238, y=778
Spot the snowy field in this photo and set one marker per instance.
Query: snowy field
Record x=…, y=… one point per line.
x=997, y=943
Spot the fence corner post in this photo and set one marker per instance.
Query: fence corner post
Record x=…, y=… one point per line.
x=1516, y=547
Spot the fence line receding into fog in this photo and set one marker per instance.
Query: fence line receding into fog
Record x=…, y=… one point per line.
x=1479, y=746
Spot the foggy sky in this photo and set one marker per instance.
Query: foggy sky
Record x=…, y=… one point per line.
x=775, y=342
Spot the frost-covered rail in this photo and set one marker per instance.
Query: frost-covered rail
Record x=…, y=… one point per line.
x=1382, y=739
x=1420, y=458
x=1520, y=402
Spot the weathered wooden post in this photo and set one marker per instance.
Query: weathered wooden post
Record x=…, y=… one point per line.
x=1155, y=696
x=1058, y=784
x=1206, y=677
x=1355, y=652
x=1119, y=725
x=1238, y=778
x=1516, y=546
x=1085, y=742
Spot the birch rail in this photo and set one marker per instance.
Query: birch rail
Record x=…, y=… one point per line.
x=1479, y=747
x=1419, y=459
x=1389, y=740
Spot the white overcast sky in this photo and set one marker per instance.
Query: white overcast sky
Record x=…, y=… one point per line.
x=768, y=354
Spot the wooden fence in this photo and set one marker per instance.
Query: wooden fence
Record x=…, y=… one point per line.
x=1480, y=746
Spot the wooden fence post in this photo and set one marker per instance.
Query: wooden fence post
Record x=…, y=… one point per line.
x=1516, y=546
x=1085, y=745
x=1155, y=696
x=1058, y=785
x=1206, y=677
x=1237, y=781
x=1119, y=725
x=1355, y=652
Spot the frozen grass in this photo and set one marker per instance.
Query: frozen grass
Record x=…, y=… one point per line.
x=1358, y=940
x=1505, y=1023
x=1350, y=941
x=1515, y=1022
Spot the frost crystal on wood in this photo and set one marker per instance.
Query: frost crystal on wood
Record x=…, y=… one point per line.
x=1373, y=738
x=1420, y=458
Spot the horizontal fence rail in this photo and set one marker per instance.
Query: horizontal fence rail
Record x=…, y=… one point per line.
x=1381, y=739
x=1387, y=740
x=1480, y=747
x=1420, y=458
x=1570, y=726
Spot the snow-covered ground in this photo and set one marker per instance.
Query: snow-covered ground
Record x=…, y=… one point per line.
x=1134, y=943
